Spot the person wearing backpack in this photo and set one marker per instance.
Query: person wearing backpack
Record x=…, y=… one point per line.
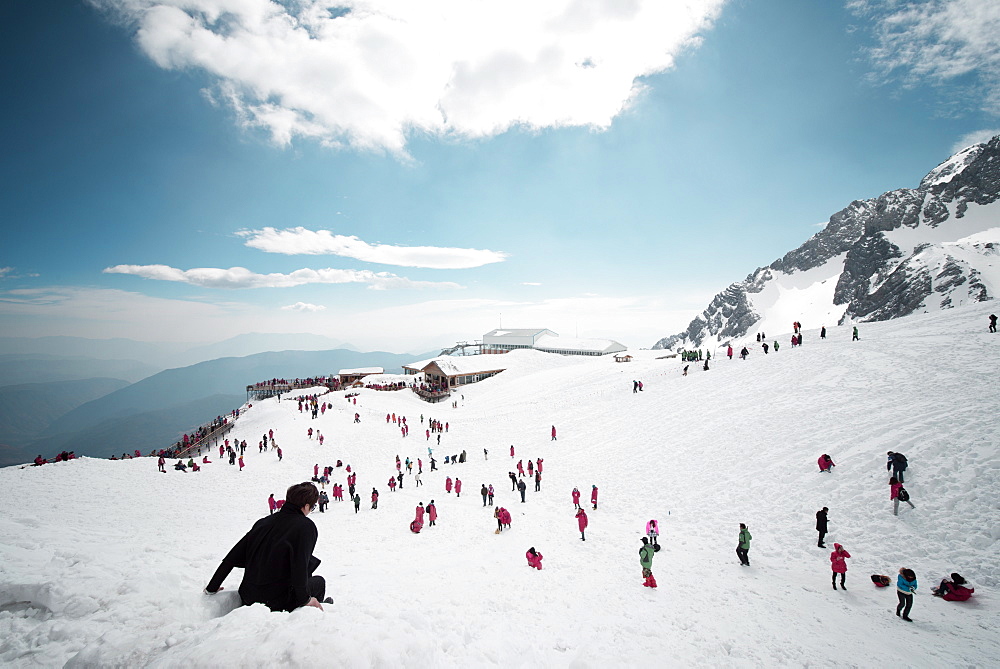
x=897, y=463
x=897, y=493
x=646, y=554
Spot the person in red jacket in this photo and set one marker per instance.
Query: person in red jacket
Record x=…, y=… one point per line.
x=432, y=514
x=447, y=484
x=553, y=433
x=581, y=520
x=838, y=564
x=826, y=463
x=534, y=558
x=576, y=498
x=955, y=590
x=458, y=487
x=593, y=496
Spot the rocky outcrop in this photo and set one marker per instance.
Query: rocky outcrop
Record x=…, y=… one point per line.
x=876, y=278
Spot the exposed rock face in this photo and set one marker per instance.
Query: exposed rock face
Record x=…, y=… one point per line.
x=904, y=251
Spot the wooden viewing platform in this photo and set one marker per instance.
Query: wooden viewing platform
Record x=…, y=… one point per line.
x=432, y=396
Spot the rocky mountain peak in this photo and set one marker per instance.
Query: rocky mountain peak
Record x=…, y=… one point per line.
x=929, y=247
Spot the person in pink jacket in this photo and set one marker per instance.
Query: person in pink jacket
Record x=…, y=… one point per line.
x=520, y=467
x=593, y=496
x=553, y=433
x=432, y=514
x=458, y=487
x=272, y=504
x=447, y=484
x=826, y=463
x=653, y=530
x=512, y=450
x=420, y=513
x=838, y=564
x=581, y=520
x=539, y=463
x=534, y=558
x=894, y=487
x=392, y=484
x=576, y=498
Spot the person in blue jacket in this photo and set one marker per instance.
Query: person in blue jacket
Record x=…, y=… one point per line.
x=906, y=585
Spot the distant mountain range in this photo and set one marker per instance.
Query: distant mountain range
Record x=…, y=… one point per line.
x=154, y=412
x=909, y=250
x=161, y=355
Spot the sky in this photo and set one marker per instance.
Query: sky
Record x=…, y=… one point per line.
x=404, y=175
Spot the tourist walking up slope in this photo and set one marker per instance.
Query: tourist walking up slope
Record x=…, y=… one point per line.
x=897, y=493
x=743, y=547
x=646, y=554
x=897, y=463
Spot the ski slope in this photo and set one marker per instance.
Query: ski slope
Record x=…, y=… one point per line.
x=103, y=563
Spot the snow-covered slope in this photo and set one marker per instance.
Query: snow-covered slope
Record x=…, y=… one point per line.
x=103, y=563
x=907, y=251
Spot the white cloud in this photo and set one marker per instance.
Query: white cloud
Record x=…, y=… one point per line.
x=241, y=277
x=299, y=241
x=8, y=273
x=636, y=321
x=977, y=137
x=369, y=73
x=102, y=313
x=937, y=41
x=530, y=283
x=303, y=306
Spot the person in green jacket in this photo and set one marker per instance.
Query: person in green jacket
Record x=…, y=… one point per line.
x=646, y=561
x=855, y=337
x=775, y=345
x=744, y=546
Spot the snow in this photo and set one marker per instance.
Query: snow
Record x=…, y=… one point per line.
x=361, y=370
x=978, y=220
x=952, y=167
x=806, y=297
x=103, y=563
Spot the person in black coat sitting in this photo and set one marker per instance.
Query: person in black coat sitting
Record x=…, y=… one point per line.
x=276, y=556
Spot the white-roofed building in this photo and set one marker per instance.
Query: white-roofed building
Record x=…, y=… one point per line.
x=577, y=345
x=501, y=341
x=416, y=367
x=351, y=375
x=461, y=370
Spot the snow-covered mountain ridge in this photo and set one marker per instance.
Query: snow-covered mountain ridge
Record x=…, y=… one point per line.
x=906, y=251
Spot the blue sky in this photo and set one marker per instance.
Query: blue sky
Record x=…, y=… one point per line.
x=401, y=174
